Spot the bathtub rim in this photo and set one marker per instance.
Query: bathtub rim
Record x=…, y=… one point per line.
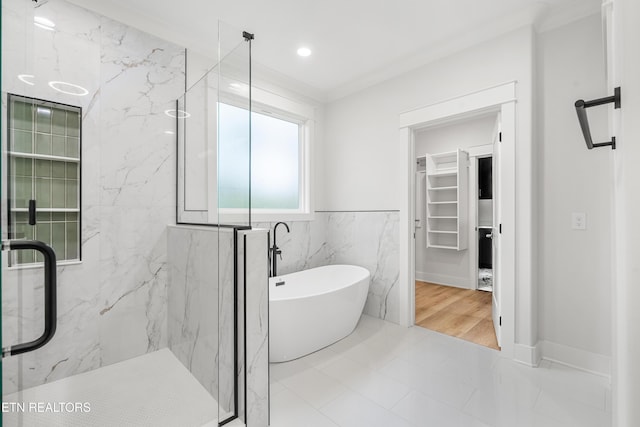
x=272, y=280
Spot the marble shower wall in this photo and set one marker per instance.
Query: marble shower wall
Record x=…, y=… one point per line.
x=367, y=239
x=141, y=76
x=200, y=307
x=193, y=299
x=112, y=306
x=200, y=281
x=252, y=253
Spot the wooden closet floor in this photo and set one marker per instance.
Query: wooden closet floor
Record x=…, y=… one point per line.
x=462, y=313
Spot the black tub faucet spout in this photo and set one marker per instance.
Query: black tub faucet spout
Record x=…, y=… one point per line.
x=275, y=251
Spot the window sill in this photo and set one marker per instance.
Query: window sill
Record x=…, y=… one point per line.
x=257, y=217
x=274, y=217
x=41, y=265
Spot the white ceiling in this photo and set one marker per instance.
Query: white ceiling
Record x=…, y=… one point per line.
x=355, y=43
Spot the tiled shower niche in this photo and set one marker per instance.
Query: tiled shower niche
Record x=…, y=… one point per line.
x=44, y=165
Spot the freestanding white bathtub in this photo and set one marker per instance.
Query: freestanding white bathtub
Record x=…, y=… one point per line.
x=314, y=308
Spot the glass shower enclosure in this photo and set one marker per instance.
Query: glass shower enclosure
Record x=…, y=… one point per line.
x=102, y=132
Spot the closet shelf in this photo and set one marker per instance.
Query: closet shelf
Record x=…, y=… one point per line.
x=444, y=172
x=447, y=171
x=452, y=187
x=451, y=154
x=442, y=246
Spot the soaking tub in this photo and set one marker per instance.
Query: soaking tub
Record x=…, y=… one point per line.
x=311, y=309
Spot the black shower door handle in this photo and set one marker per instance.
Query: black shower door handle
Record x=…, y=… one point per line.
x=50, y=304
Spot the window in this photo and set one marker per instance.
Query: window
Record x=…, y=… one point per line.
x=44, y=165
x=279, y=164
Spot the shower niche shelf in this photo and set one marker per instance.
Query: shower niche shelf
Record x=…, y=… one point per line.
x=447, y=195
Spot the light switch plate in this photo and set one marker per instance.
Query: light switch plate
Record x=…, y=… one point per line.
x=579, y=221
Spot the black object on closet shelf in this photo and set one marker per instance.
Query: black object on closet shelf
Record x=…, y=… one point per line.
x=485, y=177
x=485, y=259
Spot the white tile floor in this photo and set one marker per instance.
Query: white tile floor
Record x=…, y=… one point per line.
x=388, y=376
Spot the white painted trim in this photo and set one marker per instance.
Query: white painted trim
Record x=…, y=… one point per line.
x=576, y=358
x=473, y=246
x=501, y=99
x=272, y=101
x=485, y=150
x=456, y=108
x=530, y=356
x=406, y=240
x=506, y=262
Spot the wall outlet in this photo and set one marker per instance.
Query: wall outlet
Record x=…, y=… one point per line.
x=579, y=221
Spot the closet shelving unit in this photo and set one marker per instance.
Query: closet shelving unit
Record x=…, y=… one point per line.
x=447, y=199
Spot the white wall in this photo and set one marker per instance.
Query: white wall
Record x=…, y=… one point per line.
x=361, y=148
x=575, y=285
x=445, y=266
x=361, y=138
x=361, y=173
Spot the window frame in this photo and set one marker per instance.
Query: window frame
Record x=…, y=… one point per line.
x=279, y=107
x=10, y=154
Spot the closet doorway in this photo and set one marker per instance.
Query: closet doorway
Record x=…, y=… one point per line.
x=456, y=194
x=500, y=99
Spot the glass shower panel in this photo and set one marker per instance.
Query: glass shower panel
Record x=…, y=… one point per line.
x=233, y=192
x=234, y=136
x=197, y=124
x=137, y=325
x=213, y=127
x=213, y=122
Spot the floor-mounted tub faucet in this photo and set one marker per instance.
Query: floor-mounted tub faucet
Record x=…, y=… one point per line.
x=275, y=251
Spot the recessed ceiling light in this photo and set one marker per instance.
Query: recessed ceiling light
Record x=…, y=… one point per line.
x=169, y=132
x=26, y=78
x=304, y=51
x=177, y=114
x=68, y=88
x=44, y=23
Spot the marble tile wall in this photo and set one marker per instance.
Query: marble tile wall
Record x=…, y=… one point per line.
x=253, y=253
x=304, y=247
x=193, y=294
x=367, y=239
x=200, y=280
x=112, y=306
x=141, y=76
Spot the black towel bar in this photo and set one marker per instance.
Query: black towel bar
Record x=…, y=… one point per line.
x=582, y=105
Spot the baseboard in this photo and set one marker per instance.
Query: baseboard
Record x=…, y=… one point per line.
x=576, y=358
x=443, y=279
x=530, y=356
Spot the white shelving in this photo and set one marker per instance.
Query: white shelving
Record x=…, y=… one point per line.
x=447, y=199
